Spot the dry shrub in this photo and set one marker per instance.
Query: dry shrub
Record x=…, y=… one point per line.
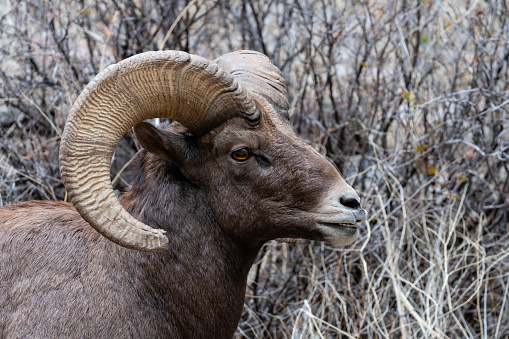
x=410, y=99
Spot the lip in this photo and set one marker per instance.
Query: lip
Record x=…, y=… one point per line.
x=338, y=225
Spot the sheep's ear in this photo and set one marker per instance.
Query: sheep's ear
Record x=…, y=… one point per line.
x=168, y=145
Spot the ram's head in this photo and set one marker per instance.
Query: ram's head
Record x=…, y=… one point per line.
x=261, y=180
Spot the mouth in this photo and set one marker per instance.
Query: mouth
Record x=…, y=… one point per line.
x=338, y=225
x=340, y=228
x=339, y=233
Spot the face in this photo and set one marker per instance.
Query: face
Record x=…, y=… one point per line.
x=264, y=182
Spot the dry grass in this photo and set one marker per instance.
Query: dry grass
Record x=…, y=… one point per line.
x=410, y=99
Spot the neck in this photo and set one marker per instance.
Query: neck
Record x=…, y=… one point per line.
x=202, y=276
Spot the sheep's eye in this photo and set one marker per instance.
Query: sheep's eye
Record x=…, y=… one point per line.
x=241, y=155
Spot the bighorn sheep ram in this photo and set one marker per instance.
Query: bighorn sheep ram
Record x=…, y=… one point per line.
x=230, y=177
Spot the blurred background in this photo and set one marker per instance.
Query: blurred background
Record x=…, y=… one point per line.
x=408, y=98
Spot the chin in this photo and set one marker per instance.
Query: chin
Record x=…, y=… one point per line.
x=341, y=236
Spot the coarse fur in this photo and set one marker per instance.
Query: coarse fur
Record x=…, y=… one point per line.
x=60, y=278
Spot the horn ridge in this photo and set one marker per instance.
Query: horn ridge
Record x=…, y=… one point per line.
x=257, y=74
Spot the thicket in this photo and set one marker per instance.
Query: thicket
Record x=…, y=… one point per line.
x=409, y=98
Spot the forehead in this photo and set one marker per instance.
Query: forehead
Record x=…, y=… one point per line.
x=271, y=130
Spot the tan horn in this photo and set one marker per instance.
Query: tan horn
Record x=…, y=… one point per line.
x=190, y=89
x=256, y=73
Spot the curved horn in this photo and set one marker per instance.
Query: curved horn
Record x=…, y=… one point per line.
x=187, y=88
x=255, y=72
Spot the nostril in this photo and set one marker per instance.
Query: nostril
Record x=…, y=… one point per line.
x=351, y=202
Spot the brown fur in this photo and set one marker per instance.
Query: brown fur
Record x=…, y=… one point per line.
x=60, y=278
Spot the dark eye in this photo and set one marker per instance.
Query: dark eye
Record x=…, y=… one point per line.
x=241, y=155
